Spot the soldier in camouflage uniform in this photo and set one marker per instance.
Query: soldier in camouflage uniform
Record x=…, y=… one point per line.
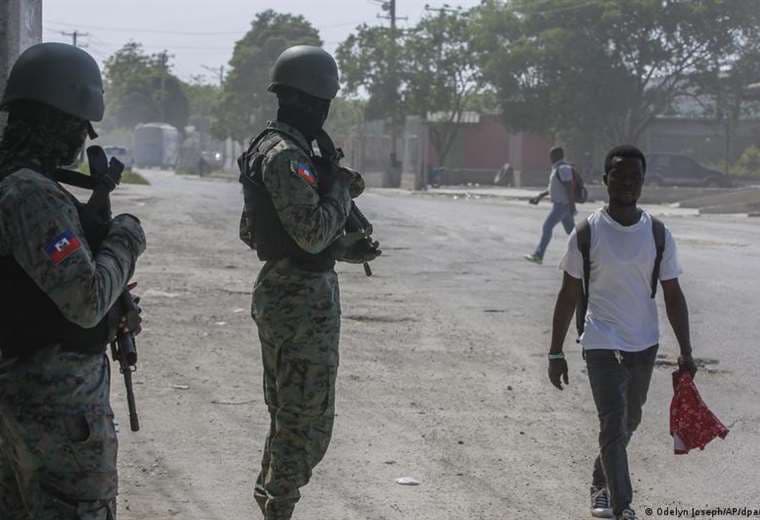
x=296, y=205
x=57, y=440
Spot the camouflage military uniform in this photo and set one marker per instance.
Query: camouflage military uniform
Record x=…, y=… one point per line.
x=298, y=317
x=57, y=440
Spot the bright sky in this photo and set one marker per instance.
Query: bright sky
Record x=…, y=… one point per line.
x=200, y=33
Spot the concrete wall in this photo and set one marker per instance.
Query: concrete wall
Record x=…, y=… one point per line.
x=20, y=28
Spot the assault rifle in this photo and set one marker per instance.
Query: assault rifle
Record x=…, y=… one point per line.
x=356, y=222
x=124, y=349
x=103, y=179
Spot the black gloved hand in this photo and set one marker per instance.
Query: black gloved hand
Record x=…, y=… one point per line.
x=356, y=248
x=107, y=174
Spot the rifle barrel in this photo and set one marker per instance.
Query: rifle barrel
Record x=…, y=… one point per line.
x=134, y=420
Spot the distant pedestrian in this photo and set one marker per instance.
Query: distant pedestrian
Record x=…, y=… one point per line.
x=617, y=256
x=562, y=194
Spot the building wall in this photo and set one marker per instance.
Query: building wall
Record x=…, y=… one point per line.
x=480, y=149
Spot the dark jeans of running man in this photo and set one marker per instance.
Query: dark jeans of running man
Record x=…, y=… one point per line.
x=559, y=213
x=620, y=391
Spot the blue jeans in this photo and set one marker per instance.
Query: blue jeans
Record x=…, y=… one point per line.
x=619, y=386
x=559, y=213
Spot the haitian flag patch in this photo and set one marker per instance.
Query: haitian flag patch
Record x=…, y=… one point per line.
x=304, y=171
x=62, y=247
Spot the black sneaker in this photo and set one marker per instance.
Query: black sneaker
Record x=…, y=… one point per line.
x=627, y=514
x=600, y=503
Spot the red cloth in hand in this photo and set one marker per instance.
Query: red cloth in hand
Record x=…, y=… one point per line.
x=692, y=424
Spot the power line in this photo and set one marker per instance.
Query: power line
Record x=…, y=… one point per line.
x=215, y=70
x=74, y=36
x=143, y=30
x=531, y=10
x=393, y=87
x=178, y=33
x=445, y=8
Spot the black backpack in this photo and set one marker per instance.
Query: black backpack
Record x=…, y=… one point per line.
x=583, y=231
x=581, y=193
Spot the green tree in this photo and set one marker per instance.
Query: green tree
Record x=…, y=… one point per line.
x=434, y=74
x=365, y=59
x=606, y=68
x=140, y=88
x=439, y=75
x=245, y=103
x=345, y=116
x=203, y=101
x=722, y=91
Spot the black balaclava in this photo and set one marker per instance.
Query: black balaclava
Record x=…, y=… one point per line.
x=305, y=113
x=43, y=135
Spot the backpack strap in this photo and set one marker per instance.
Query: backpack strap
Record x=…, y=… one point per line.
x=658, y=230
x=583, y=233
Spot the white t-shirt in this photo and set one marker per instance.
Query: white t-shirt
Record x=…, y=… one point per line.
x=559, y=181
x=621, y=313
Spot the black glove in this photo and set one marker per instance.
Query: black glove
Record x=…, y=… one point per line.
x=356, y=248
x=107, y=174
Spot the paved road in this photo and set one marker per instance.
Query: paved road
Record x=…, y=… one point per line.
x=442, y=372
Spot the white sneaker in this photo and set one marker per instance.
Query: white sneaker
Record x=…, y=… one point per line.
x=627, y=514
x=600, y=503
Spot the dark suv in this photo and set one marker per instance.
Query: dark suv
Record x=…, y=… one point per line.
x=667, y=169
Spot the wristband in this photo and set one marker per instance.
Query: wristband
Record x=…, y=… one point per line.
x=556, y=355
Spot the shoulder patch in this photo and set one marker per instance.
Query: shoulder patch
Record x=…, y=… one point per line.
x=303, y=170
x=63, y=246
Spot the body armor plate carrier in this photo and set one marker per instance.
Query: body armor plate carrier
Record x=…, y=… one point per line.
x=260, y=222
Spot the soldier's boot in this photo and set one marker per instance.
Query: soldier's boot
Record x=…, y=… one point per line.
x=278, y=510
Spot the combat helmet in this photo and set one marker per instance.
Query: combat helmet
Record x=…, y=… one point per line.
x=58, y=75
x=306, y=68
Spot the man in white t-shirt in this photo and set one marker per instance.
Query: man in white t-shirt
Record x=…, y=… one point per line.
x=562, y=194
x=620, y=335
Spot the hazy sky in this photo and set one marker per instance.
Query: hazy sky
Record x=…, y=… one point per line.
x=201, y=32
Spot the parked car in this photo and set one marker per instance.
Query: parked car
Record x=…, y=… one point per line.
x=666, y=169
x=122, y=153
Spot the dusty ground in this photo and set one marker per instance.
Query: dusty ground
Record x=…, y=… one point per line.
x=442, y=373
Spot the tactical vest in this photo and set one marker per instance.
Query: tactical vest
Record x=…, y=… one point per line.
x=30, y=320
x=272, y=241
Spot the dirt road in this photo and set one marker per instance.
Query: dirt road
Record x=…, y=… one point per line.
x=442, y=373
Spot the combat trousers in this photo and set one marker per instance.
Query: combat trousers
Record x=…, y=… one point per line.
x=298, y=317
x=619, y=386
x=58, y=445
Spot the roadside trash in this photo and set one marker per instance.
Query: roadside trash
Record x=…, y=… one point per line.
x=692, y=424
x=407, y=481
x=181, y=387
x=221, y=323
